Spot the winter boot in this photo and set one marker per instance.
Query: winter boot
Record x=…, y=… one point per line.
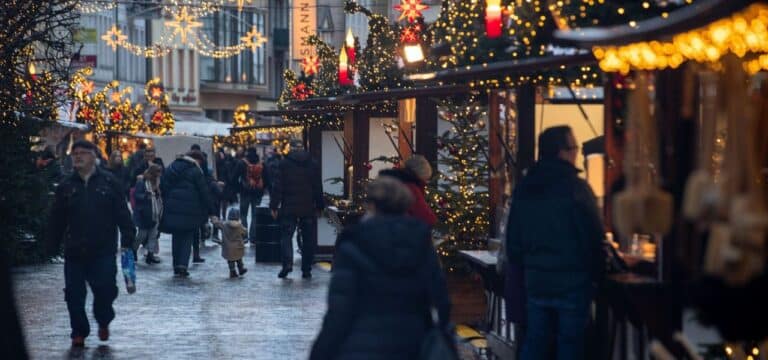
x=232, y=274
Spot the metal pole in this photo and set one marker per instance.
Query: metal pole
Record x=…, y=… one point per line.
x=117, y=49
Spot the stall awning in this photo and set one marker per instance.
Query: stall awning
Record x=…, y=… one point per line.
x=199, y=125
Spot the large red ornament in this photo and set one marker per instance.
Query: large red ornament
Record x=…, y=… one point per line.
x=157, y=117
x=115, y=116
x=301, y=91
x=410, y=9
x=86, y=113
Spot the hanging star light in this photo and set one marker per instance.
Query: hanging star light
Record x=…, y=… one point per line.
x=310, y=65
x=86, y=88
x=410, y=9
x=253, y=39
x=116, y=97
x=241, y=3
x=114, y=37
x=183, y=24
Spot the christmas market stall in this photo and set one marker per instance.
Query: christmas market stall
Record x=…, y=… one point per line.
x=686, y=139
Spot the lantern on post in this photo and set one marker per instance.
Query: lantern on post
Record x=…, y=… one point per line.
x=493, y=23
x=413, y=53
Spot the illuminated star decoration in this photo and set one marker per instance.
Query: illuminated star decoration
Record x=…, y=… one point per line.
x=253, y=39
x=114, y=37
x=86, y=87
x=410, y=35
x=116, y=97
x=157, y=92
x=310, y=65
x=240, y=3
x=183, y=24
x=410, y=9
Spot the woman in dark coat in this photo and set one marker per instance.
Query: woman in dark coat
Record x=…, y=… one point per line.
x=386, y=279
x=415, y=175
x=187, y=205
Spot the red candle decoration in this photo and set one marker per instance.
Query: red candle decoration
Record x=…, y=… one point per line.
x=350, y=45
x=344, y=69
x=493, y=23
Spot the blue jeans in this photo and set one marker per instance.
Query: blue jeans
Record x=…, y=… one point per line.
x=308, y=227
x=557, y=323
x=100, y=274
x=181, y=248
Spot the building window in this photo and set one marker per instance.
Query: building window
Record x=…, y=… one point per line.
x=226, y=28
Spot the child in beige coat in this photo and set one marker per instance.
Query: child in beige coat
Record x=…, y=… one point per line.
x=233, y=243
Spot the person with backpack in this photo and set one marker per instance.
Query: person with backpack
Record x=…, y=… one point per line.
x=249, y=175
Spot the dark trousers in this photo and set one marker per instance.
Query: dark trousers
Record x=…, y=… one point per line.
x=249, y=201
x=181, y=248
x=100, y=274
x=196, y=239
x=239, y=264
x=308, y=226
x=557, y=323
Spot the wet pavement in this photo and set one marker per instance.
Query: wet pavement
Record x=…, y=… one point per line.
x=207, y=316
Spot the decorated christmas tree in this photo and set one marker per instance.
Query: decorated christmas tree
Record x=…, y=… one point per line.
x=460, y=197
x=378, y=64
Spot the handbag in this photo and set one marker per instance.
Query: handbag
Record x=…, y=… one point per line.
x=436, y=345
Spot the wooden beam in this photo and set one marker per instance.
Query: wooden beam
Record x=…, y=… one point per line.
x=406, y=117
x=426, y=129
x=356, y=135
x=496, y=160
x=526, y=128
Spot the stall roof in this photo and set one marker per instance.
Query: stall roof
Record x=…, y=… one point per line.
x=504, y=68
x=314, y=106
x=298, y=112
x=696, y=15
x=264, y=126
x=197, y=124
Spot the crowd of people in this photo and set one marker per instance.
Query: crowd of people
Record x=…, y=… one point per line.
x=387, y=295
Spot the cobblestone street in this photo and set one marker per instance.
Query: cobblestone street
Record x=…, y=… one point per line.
x=207, y=316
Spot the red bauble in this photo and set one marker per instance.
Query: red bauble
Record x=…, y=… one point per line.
x=368, y=165
x=157, y=117
x=116, y=116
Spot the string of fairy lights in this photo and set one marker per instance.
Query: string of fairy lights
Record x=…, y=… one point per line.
x=184, y=29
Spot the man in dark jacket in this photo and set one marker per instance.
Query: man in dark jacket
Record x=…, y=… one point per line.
x=556, y=233
x=250, y=196
x=87, y=211
x=298, y=193
x=187, y=205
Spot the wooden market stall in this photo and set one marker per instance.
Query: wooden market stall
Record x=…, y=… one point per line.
x=699, y=63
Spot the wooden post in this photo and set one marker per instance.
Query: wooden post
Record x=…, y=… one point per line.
x=496, y=165
x=426, y=129
x=356, y=135
x=526, y=128
x=406, y=117
x=614, y=150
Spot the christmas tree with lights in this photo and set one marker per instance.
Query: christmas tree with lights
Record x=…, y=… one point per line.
x=377, y=65
x=460, y=196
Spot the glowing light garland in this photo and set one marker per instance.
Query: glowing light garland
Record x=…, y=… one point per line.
x=184, y=25
x=740, y=34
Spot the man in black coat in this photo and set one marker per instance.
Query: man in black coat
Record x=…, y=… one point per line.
x=87, y=211
x=187, y=204
x=298, y=194
x=250, y=196
x=556, y=233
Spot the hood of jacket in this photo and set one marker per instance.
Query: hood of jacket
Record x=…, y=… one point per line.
x=404, y=175
x=301, y=156
x=178, y=167
x=546, y=174
x=396, y=244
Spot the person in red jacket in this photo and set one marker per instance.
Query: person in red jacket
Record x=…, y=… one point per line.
x=415, y=174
